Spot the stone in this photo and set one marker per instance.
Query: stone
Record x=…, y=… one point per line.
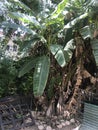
x=72, y=120
x=41, y=127
x=59, y=126
x=48, y=128
x=33, y=113
x=37, y=123
x=67, y=123
x=66, y=114
x=63, y=123
x=77, y=128
x=55, y=117
x=57, y=122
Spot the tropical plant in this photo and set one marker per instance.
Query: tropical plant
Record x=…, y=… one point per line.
x=42, y=36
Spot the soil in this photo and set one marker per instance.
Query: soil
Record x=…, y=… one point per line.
x=53, y=123
x=69, y=127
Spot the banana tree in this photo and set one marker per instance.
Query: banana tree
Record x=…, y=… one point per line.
x=44, y=32
x=42, y=62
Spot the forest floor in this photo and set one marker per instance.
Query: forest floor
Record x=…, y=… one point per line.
x=53, y=123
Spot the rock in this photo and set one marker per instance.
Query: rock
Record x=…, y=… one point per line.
x=63, y=123
x=53, y=124
x=66, y=114
x=72, y=120
x=77, y=128
x=57, y=122
x=48, y=128
x=30, y=128
x=55, y=117
x=59, y=126
x=33, y=113
x=44, y=125
x=37, y=123
x=43, y=122
x=67, y=123
x=41, y=127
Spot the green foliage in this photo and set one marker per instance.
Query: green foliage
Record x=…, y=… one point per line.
x=59, y=9
x=41, y=35
x=41, y=75
x=25, y=18
x=27, y=67
x=57, y=17
x=21, y=4
x=75, y=21
x=8, y=73
x=15, y=26
x=86, y=32
x=95, y=49
x=58, y=52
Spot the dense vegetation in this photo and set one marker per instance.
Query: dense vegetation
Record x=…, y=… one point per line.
x=52, y=57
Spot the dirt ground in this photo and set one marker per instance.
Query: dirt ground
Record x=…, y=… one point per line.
x=69, y=127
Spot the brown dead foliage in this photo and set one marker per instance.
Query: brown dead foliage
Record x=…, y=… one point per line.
x=81, y=83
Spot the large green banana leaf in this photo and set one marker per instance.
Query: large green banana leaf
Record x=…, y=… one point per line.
x=28, y=44
x=86, y=32
x=21, y=4
x=59, y=9
x=58, y=52
x=25, y=18
x=69, y=47
x=63, y=55
x=41, y=75
x=57, y=16
x=16, y=26
x=76, y=20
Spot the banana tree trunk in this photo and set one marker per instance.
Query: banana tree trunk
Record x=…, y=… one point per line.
x=95, y=50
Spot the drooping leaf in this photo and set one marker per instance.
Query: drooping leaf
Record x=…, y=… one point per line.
x=16, y=26
x=94, y=44
x=76, y=20
x=41, y=75
x=54, y=48
x=69, y=47
x=59, y=20
x=57, y=51
x=86, y=32
x=94, y=3
x=31, y=44
x=60, y=58
x=28, y=44
x=27, y=67
x=59, y=9
x=25, y=18
x=21, y=4
x=57, y=16
x=68, y=35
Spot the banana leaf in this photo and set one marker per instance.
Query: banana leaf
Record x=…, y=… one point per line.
x=25, y=18
x=16, y=26
x=41, y=75
x=58, y=52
